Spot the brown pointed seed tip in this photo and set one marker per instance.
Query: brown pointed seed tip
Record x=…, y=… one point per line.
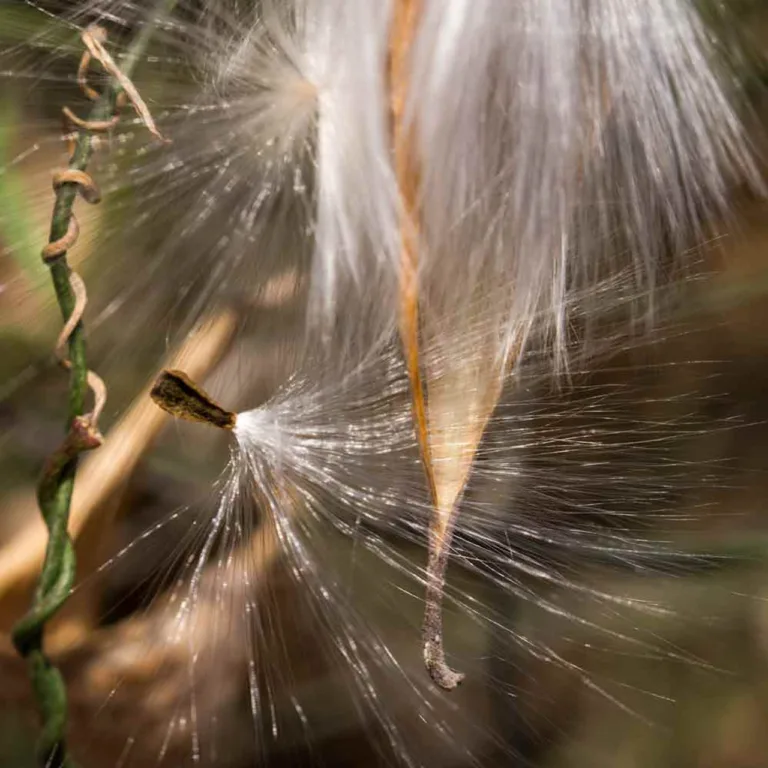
x=443, y=676
x=432, y=636
x=178, y=395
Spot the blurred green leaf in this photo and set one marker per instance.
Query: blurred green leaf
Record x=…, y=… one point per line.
x=19, y=237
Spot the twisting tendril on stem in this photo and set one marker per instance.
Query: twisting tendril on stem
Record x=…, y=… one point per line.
x=54, y=492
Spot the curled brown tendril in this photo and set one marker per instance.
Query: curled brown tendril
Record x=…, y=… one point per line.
x=95, y=382
x=90, y=192
x=96, y=33
x=54, y=491
x=93, y=38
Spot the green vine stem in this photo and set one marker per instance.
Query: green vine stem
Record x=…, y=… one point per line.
x=56, y=485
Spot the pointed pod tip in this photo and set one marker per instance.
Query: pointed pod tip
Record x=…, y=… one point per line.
x=447, y=678
x=441, y=674
x=177, y=394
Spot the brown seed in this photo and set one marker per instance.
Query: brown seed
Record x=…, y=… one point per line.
x=178, y=395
